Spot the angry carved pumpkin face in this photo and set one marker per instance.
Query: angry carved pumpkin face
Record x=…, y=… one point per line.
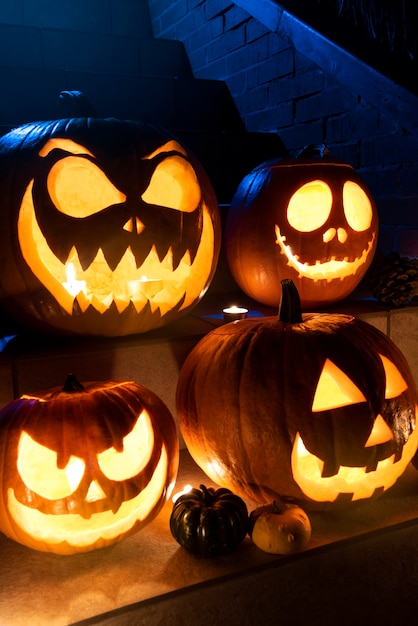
x=316, y=223
x=68, y=488
x=124, y=237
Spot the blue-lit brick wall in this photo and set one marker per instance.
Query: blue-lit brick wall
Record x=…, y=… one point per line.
x=278, y=89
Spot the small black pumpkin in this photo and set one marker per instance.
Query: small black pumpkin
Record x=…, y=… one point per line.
x=209, y=522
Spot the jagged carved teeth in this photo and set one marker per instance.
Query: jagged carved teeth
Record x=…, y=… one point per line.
x=100, y=286
x=333, y=468
x=359, y=482
x=113, y=254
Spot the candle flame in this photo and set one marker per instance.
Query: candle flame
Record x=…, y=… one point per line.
x=186, y=489
x=235, y=309
x=72, y=285
x=70, y=273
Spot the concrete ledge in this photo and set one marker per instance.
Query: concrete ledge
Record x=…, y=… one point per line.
x=361, y=567
x=30, y=363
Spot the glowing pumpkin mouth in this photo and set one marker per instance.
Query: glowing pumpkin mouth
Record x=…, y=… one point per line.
x=328, y=270
x=154, y=283
x=355, y=481
x=74, y=530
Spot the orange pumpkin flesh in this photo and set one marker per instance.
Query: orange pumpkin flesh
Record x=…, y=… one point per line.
x=310, y=219
x=319, y=408
x=84, y=467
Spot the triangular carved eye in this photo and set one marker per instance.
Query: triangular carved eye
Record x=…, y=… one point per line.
x=335, y=389
x=395, y=383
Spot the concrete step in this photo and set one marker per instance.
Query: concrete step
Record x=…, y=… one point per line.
x=184, y=102
x=94, y=16
x=51, y=49
x=30, y=362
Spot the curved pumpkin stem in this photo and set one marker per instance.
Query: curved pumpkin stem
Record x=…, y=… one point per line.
x=207, y=495
x=313, y=150
x=72, y=384
x=75, y=104
x=290, y=310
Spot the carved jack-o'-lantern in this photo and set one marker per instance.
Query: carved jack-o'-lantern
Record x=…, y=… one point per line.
x=107, y=227
x=84, y=466
x=319, y=408
x=310, y=219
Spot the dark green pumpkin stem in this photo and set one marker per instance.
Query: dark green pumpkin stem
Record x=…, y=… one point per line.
x=290, y=310
x=207, y=494
x=72, y=385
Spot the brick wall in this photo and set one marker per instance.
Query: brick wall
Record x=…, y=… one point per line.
x=276, y=88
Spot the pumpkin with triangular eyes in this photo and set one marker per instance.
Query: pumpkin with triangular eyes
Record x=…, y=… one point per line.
x=107, y=227
x=310, y=218
x=318, y=408
x=84, y=466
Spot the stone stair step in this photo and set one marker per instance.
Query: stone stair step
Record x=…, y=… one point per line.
x=186, y=102
x=95, y=16
x=126, y=73
x=47, y=48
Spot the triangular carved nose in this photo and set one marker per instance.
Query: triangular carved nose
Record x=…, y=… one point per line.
x=381, y=433
x=134, y=225
x=95, y=492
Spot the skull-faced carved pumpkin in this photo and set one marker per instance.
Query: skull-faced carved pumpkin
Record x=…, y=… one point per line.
x=319, y=408
x=84, y=467
x=108, y=227
x=311, y=219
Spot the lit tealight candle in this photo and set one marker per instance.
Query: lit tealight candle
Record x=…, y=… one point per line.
x=186, y=489
x=233, y=313
x=148, y=287
x=72, y=285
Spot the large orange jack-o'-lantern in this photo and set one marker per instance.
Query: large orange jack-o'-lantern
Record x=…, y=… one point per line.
x=319, y=408
x=311, y=219
x=107, y=227
x=84, y=466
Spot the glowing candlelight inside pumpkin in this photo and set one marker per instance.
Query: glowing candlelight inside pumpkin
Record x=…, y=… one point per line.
x=72, y=285
x=233, y=313
x=148, y=287
x=186, y=489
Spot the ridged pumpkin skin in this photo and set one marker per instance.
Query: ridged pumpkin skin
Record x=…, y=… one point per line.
x=123, y=192
x=209, y=522
x=251, y=391
x=268, y=238
x=120, y=440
